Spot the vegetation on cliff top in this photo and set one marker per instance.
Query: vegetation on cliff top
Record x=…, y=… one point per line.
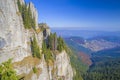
x=52, y=44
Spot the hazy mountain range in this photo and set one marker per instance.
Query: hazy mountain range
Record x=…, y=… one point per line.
x=84, y=33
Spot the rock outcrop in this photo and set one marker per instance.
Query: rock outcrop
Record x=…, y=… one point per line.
x=15, y=42
x=63, y=65
x=12, y=33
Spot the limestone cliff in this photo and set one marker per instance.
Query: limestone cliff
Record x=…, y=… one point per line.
x=12, y=33
x=15, y=43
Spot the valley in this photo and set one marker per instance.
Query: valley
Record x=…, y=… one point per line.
x=59, y=40
x=100, y=54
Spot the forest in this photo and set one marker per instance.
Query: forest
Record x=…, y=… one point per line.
x=106, y=65
x=104, y=69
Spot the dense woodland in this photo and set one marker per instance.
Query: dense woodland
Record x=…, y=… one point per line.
x=106, y=65
x=104, y=69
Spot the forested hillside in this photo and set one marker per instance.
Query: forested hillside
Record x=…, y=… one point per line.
x=106, y=65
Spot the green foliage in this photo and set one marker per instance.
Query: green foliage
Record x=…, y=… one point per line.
x=47, y=52
x=34, y=69
x=61, y=44
x=106, y=65
x=28, y=20
x=48, y=55
x=33, y=23
x=56, y=43
x=7, y=72
x=19, y=6
x=105, y=69
x=52, y=41
x=44, y=47
x=35, y=48
x=77, y=65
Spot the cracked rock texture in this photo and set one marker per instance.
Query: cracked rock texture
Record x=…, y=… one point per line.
x=15, y=43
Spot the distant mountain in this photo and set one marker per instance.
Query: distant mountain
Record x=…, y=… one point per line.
x=84, y=33
x=107, y=38
x=94, y=44
x=101, y=44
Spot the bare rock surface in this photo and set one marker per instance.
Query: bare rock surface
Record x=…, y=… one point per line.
x=15, y=43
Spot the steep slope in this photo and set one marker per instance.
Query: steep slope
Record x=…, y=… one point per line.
x=12, y=33
x=16, y=42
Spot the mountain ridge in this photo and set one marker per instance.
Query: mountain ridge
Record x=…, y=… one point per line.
x=30, y=46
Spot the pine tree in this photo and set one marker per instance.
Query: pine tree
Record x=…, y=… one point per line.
x=35, y=48
x=55, y=41
x=19, y=6
x=28, y=20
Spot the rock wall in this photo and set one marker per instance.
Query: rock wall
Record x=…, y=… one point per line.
x=15, y=42
x=11, y=26
x=12, y=32
x=64, y=69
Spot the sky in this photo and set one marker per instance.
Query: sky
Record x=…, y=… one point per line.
x=80, y=14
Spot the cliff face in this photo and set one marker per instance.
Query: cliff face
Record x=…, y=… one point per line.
x=12, y=33
x=63, y=65
x=15, y=42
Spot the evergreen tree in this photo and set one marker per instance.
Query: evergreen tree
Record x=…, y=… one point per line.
x=35, y=48
x=44, y=47
x=47, y=52
x=33, y=23
x=19, y=6
x=52, y=41
x=28, y=20
x=61, y=45
x=55, y=41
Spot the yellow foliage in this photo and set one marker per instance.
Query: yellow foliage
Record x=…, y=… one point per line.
x=50, y=62
x=38, y=30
